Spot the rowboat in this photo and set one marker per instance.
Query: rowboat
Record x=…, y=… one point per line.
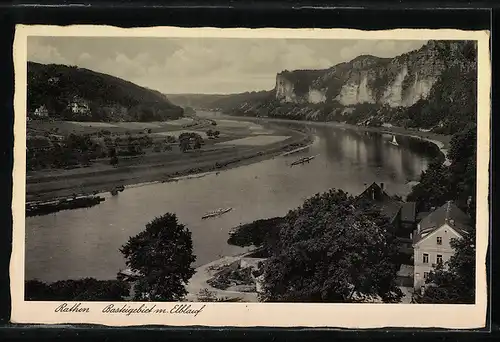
x=217, y=212
x=303, y=160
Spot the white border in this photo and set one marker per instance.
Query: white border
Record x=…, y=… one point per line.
x=257, y=314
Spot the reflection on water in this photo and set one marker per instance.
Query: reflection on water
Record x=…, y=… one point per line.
x=85, y=242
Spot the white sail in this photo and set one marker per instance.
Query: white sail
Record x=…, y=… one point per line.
x=394, y=141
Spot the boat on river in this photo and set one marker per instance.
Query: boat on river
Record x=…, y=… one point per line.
x=303, y=160
x=49, y=207
x=394, y=141
x=215, y=213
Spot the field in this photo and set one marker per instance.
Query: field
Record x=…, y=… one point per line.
x=260, y=140
x=238, y=143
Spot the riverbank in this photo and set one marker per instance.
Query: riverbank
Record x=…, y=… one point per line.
x=440, y=140
x=160, y=167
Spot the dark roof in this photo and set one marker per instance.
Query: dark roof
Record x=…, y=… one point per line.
x=388, y=208
x=448, y=213
x=408, y=212
x=374, y=192
x=422, y=215
x=381, y=201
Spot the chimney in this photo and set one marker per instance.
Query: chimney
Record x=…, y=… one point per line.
x=452, y=222
x=382, y=186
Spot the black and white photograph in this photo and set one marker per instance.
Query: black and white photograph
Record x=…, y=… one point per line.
x=231, y=169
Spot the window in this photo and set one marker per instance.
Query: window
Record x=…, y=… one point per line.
x=425, y=258
x=426, y=275
x=439, y=259
x=439, y=240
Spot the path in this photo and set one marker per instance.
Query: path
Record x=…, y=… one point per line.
x=203, y=273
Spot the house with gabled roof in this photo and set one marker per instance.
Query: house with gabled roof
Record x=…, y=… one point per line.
x=431, y=239
x=379, y=200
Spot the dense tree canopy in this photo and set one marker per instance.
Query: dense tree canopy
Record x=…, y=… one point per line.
x=332, y=251
x=109, y=98
x=190, y=141
x=162, y=254
x=260, y=233
x=87, y=289
x=440, y=183
x=434, y=187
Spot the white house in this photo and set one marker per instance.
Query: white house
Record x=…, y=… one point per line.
x=431, y=239
x=41, y=112
x=79, y=106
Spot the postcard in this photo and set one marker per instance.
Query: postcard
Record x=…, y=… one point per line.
x=323, y=178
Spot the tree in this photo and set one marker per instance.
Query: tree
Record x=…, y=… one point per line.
x=331, y=250
x=170, y=139
x=434, y=187
x=454, y=283
x=113, y=160
x=163, y=254
x=198, y=141
x=216, y=134
x=462, y=155
x=184, y=142
x=259, y=233
x=86, y=289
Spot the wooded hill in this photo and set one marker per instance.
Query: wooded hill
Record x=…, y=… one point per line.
x=71, y=93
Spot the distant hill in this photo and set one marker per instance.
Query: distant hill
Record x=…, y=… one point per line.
x=72, y=93
x=219, y=101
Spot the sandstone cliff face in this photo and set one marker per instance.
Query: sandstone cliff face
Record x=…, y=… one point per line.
x=396, y=82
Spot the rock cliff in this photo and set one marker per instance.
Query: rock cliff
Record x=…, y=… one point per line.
x=396, y=82
x=433, y=87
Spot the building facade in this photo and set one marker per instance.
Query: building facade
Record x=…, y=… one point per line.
x=432, y=240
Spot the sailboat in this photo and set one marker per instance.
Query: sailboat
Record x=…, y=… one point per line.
x=394, y=141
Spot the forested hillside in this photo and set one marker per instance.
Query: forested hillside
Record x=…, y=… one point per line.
x=71, y=93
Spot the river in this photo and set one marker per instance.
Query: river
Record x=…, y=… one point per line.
x=85, y=242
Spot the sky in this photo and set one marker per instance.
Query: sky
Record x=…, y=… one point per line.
x=205, y=65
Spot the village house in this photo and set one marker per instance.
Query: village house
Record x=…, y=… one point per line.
x=378, y=199
x=402, y=215
x=53, y=80
x=79, y=106
x=41, y=112
x=431, y=239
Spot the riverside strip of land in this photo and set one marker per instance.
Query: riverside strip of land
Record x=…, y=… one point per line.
x=239, y=142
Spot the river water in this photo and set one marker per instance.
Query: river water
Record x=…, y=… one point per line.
x=85, y=242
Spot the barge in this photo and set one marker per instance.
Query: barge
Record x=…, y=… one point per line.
x=44, y=208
